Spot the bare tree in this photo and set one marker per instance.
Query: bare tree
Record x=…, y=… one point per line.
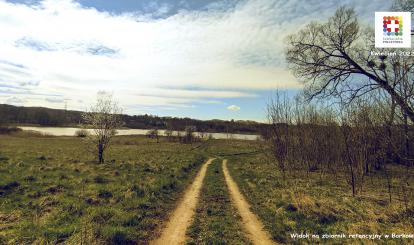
x=202, y=133
x=104, y=117
x=335, y=59
x=279, y=113
x=403, y=5
x=154, y=134
x=189, y=136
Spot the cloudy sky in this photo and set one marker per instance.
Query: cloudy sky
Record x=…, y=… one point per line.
x=195, y=58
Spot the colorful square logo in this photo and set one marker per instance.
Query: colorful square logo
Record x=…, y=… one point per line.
x=393, y=25
x=393, y=29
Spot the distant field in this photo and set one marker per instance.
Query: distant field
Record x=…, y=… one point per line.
x=52, y=190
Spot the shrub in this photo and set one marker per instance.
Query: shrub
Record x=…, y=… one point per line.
x=189, y=136
x=104, y=194
x=29, y=178
x=11, y=185
x=100, y=179
x=42, y=157
x=81, y=133
x=9, y=130
x=116, y=236
x=292, y=208
x=3, y=158
x=153, y=134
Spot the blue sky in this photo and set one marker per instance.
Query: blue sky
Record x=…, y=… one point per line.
x=200, y=59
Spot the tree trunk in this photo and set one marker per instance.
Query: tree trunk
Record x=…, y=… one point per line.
x=352, y=179
x=100, y=153
x=406, y=142
x=350, y=160
x=389, y=184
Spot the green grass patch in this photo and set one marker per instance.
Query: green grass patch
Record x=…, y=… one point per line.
x=52, y=190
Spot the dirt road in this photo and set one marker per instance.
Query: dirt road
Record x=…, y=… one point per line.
x=181, y=218
x=252, y=225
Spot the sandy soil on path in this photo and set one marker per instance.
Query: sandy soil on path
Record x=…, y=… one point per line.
x=252, y=225
x=181, y=218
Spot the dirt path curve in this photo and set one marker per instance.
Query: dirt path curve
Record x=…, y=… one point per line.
x=254, y=228
x=181, y=218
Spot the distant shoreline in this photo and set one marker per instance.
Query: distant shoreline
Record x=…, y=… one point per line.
x=47, y=117
x=78, y=126
x=70, y=131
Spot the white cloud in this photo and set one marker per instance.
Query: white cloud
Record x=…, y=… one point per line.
x=61, y=49
x=55, y=100
x=201, y=94
x=15, y=101
x=233, y=108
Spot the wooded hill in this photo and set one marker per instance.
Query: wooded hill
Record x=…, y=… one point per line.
x=55, y=117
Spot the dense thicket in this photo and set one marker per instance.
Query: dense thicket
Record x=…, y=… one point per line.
x=362, y=139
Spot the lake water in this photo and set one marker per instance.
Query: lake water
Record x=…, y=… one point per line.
x=60, y=131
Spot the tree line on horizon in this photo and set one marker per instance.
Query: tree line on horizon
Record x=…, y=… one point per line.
x=55, y=117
